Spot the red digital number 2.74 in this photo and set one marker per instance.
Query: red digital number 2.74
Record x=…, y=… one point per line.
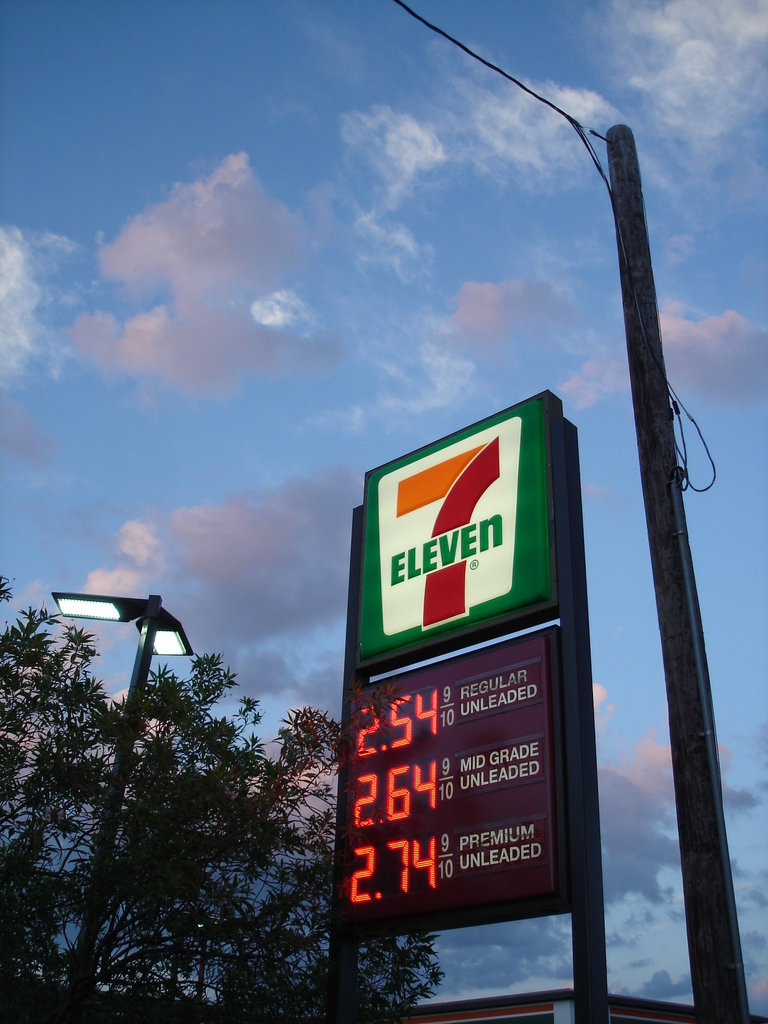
x=362, y=873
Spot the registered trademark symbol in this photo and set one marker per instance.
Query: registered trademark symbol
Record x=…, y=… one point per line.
x=474, y=563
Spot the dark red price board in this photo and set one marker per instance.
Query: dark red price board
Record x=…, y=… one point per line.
x=452, y=801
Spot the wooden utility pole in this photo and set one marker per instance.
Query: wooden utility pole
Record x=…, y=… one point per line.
x=717, y=971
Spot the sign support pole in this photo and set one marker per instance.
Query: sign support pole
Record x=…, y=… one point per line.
x=590, y=984
x=717, y=969
x=551, y=472
x=343, y=946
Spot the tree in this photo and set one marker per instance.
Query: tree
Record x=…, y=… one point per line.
x=211, y=889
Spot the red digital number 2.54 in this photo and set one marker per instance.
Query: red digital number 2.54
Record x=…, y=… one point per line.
x=401, y=717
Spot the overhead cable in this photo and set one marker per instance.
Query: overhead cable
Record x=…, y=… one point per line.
x=584, y=134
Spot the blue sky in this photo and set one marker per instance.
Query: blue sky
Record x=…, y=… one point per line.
x=251, y=250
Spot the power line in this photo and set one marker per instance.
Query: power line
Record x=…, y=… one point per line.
x=580, y=130
x=583, y=133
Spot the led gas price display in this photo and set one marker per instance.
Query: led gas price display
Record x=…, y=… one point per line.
x=452, y=798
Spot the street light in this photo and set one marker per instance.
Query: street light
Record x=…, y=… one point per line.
x=160, y=633
x=169, y=636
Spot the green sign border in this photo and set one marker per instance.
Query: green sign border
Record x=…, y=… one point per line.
x=531, y=598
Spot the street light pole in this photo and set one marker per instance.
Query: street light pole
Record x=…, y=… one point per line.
x=84, y=963
x=139, y=677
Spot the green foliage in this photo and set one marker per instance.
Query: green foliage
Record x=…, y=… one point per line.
x=209, y=886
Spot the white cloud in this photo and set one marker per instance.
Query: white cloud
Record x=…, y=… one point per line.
x=432, y=379
x=201, y=255
x=678, y=248
x=398, y=147
x=700, y=65
x=25, y=262
x=350, y=418
x=19, y=299
x=447, y=377
x=283, y=309
x=391, y=244
x=491, y=128
x=500, y=129
x=638, y=821
x=420, y=380
x=402, y=152
x=205, y=351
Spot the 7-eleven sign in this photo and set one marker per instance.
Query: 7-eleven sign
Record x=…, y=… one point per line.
x=457, y=534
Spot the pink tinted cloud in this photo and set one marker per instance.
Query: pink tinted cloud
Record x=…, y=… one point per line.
x=202, y=257
x=603, y=710
x=597, y=379
x=124, y=579
x=637, y=821
x=21, y=438
x=199, y=350
x=211, y=234
x=722, y=357
x=265, y=564
x=139, y=563
x=247, y=573
x=490, y=312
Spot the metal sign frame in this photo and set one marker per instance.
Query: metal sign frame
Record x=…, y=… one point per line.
x=581, y=809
